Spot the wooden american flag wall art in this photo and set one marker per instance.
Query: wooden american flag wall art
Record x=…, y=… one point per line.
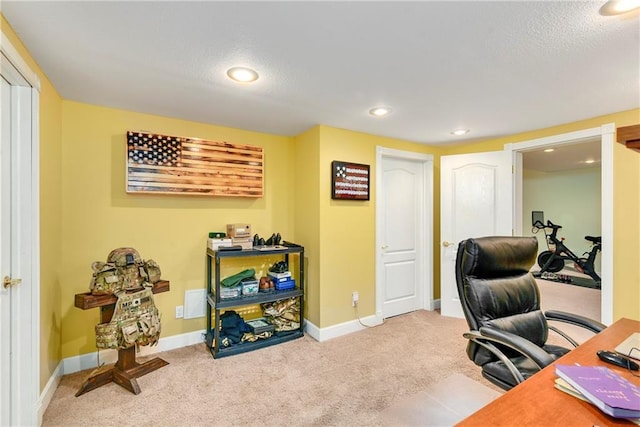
x=161, y=164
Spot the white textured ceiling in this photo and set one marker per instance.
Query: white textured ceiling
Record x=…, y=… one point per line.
x=497, y=68
x=565, y=157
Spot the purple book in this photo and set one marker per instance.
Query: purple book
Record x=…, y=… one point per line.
x=611, y=393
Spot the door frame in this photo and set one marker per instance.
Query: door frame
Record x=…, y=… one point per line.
x=427, y=217
x=25, y=408
x=606, y=133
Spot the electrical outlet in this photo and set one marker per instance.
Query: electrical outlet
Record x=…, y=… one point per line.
x=179, y=312
x=355, y=297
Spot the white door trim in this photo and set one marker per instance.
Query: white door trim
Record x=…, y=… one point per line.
x=12, y=55
x=606, y=133
x=426, y=240
x=26, y=258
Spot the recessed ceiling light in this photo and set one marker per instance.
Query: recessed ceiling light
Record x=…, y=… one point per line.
x=242, y=74
x=380, y=111
x=618, y=7
x=460, y=132
x=549, y=150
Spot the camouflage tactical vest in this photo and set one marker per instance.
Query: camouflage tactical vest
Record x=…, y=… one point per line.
x=124, y=270
x=135, y=321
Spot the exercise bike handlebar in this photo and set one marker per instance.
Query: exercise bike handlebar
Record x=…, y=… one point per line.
x=540, y=225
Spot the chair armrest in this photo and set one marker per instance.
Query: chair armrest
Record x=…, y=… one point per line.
x=477, y=338
x=523, y=346
x=575, y=319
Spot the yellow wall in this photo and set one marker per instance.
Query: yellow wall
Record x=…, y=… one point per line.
x=626, y=276
x=98, y=215
x=307, y=215
x=347, y=228
x=626, y=230
x=338, y=235
x=50, y=213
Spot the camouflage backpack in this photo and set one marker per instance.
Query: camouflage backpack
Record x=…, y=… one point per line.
x=135, y=321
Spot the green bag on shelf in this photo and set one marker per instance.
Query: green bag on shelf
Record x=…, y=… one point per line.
x=234, y=280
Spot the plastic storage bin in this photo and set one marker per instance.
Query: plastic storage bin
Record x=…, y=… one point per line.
x=249, y=287
x=232, y=292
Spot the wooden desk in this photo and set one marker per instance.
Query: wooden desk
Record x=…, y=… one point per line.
x=125, y=371
x=536, y=402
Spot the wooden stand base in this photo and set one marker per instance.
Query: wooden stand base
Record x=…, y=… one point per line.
x=126, y=369
x=124, y=372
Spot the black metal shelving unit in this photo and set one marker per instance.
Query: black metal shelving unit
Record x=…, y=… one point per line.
x=215, y=304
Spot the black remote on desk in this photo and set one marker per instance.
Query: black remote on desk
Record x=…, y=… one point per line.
x=617, y=359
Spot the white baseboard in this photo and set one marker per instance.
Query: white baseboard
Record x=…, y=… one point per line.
x=47, y=392
x=349, y=327
x=90, y=360
x=341, y=329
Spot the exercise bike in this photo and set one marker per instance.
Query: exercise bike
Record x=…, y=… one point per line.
x=553, y=259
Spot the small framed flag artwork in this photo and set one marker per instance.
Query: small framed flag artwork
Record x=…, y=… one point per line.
x=349, y=181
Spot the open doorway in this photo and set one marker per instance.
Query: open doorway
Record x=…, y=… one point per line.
x=563, y=184
x=511, y=174
x=593, y=214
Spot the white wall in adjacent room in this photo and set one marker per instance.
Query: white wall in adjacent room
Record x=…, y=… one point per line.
x=571, y=199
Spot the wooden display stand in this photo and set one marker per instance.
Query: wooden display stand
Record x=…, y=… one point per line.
x=125, y=371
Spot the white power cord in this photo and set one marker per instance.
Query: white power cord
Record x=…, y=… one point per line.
x=355, y=305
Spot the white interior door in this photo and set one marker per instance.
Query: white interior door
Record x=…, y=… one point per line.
x=402, y=249
x=19, y=237
x=476, y=200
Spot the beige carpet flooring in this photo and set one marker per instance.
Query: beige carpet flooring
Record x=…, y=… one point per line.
x=347, y=381
x=572, y=299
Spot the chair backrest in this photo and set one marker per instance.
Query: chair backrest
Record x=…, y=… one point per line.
x=496, y=289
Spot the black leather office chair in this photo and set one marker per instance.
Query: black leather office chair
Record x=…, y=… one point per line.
x=501, y=302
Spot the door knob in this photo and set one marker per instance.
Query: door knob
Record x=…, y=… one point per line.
x=447, y=244
x=10, y=282
x=384, y=247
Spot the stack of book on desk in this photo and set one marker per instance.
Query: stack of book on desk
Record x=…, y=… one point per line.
x=601, y=387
